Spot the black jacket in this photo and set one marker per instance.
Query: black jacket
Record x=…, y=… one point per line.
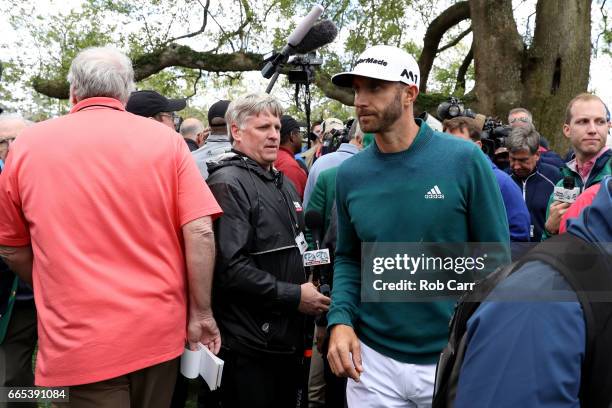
x=259, y=268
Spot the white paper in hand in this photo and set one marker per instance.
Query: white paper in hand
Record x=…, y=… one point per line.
x=202, y=362
x=190, y=363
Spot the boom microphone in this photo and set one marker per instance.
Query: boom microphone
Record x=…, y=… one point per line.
x=302, y=28
x=322, y=33
x=294, y=39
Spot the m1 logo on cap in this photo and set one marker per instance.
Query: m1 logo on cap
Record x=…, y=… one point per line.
x=409, y=75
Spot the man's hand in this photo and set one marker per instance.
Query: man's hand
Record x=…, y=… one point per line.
x=344, y=353
x=311, y=301
x=203, y=329
x=320, y=332
x=557, y=209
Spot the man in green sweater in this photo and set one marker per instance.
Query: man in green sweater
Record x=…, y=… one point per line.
x=412, y=185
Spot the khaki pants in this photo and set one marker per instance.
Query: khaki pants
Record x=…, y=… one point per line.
x=150, y=387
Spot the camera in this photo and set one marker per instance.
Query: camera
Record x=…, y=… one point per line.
x=453, y=108
x=494, y=135
x=302, y=68
x=335, y=137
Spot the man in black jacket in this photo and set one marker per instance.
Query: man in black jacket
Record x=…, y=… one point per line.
x=260, y=291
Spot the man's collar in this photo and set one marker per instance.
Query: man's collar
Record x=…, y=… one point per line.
x=592, y=159
x=348, y=148
x=97, y=102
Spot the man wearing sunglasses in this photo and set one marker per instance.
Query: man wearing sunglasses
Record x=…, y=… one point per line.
x=151, y=104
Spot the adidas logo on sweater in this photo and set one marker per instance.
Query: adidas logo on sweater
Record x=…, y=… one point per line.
x=434, y=194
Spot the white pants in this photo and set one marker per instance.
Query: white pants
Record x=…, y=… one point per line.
x=387, y=383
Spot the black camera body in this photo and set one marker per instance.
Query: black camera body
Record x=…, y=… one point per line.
x=494, y=132
x=333, y=142
x=453, y=108
x=494, y=135
x=303, y=68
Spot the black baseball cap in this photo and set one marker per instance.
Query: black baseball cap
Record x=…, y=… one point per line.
x=288, y=125
x=216, y=113
x=149, y=103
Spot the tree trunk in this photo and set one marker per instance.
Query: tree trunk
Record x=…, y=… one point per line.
x=556, y=67
x=498, y=51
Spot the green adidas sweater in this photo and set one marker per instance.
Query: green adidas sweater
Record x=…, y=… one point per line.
x=381, y=198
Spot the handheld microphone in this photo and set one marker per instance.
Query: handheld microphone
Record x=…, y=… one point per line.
x=568, y=192
x=294, y=39
x=314, y=222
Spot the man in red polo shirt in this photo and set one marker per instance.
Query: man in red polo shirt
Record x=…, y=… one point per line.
x=116, y=238
x=290, y=145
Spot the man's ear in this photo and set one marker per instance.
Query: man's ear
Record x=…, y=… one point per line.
x=566, y=130
x=73, y=99
x=411, y=92
x=236, y=132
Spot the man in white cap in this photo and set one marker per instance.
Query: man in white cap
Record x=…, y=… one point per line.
x=396, y=191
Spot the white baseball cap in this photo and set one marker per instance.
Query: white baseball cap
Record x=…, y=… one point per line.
x=382, y=62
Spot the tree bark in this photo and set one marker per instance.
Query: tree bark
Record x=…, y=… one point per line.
x=498, y=51
x=436, y=30
x=556, y=67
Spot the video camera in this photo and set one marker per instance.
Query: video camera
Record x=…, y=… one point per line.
x=494, y=135
x=494, y=132
x=335, y=137
x=303, y=68
x=453, y=108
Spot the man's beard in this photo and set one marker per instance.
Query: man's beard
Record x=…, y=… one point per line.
x=388, y=117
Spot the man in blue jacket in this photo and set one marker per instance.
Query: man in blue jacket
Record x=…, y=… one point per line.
x=532, y=351
x=535, y=178
x=516, y=210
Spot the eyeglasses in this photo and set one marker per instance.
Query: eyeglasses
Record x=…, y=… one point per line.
x=176, y=119
x=521, y=119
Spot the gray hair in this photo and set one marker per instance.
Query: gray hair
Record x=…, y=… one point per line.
x=191, y=127
x=520, y=110
x=250, y=105
x=101, y=71
x=523, y=138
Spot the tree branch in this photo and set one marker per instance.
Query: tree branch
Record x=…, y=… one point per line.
x=436, y=30
x=173, y=55
x=455, y=41
x=195, y=85
x=202, y=28
x=462, y=71
x=343, y=95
